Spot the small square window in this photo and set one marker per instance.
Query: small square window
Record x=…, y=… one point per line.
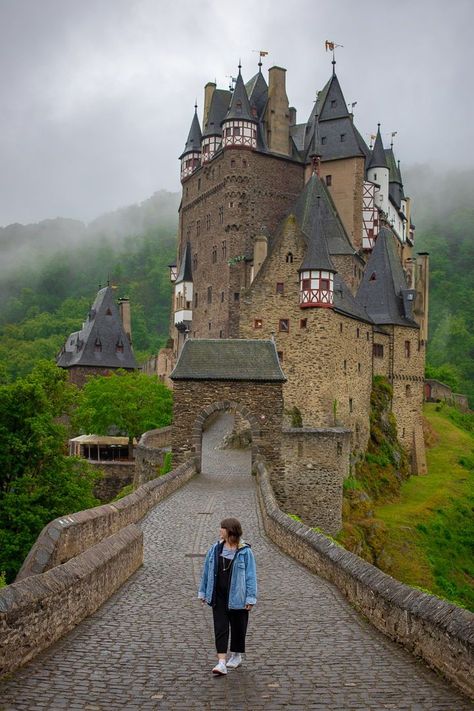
x=279, y=287
x=236, y=296
x=345, y=366
x=222, y=297
x=284, y=325
x=343, y=137
x=210, y=325
x=333, y=103
x=358, y=333
x=323, y=140
x=258, y=323
x=304, y=323
x=350, y=405
x=328, y=179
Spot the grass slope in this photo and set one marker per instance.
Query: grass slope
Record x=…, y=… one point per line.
x=430, y=530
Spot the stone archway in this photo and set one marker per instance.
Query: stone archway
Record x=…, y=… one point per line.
x=218, y=408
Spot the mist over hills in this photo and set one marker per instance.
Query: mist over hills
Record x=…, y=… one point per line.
x=50, y=272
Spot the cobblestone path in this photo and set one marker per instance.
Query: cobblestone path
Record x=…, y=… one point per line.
x=151, y=645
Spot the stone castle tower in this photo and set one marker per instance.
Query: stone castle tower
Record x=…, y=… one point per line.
x=302, y=233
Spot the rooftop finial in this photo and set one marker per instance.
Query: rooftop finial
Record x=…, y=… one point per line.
x=195, y=106
x=240, y=65
x=331, y=46
x=394, y=133
x=261, y=53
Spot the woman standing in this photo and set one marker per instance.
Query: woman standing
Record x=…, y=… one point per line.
x=229, y=586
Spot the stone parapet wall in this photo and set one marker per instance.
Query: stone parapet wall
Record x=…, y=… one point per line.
x=150, y=454
x=439, y=632
x=37, y=611
x=316, y=462
x=69, y=536
x=116, y=476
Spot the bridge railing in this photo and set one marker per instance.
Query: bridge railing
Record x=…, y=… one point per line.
x=438, y=631
x=76, y=564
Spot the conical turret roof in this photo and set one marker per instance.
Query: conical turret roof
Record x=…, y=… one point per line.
x=331, y=103
x=317, y=252
x=219, y=106
x=193, y=144
x=185, y=272
x=257, y=91
x=383, y=290
x=240, y=105
x=378, y=159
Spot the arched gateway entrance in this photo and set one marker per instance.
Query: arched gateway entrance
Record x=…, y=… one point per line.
x=238, y=376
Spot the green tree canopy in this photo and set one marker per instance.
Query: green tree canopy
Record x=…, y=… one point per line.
x=127, y=402
x=38, y=482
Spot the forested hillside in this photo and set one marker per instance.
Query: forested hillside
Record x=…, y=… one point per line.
x=51, y=272
x=444, y=213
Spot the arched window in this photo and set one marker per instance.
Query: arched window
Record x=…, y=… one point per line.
x=289, y=258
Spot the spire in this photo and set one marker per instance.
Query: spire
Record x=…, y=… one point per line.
x=317, y=253
x=378, y=159
x=193, y=144
x=185, y=270
x=239, y=105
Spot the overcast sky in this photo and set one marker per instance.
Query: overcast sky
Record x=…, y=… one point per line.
x=97, y=95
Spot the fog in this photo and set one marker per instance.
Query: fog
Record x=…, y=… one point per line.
x=97, y=96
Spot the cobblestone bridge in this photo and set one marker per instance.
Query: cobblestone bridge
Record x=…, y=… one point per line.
x=151, y=645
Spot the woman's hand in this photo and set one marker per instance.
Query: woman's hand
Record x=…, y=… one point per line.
x=248, y=607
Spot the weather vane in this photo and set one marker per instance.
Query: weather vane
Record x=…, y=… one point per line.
x=261, y=53
x=331, y=47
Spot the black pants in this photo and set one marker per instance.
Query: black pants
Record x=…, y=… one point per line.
x=238, y=620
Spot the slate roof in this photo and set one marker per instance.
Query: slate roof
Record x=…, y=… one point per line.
x=332, y=104
x=239, y=104
x=257, y=91
x=383, y=291
x=228, y=359
x=185, y=272
x=305, y=210
x=103, y=326
x=219, y=106
x=317, y=253
x=395, y=179
x=378, y=159
x=194, y=137
x=345, y=303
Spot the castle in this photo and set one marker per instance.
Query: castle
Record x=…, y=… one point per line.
x=302, y=233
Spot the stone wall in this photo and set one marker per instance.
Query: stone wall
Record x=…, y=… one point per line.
x=441, y=633
x=37, y=611
x=260, y=403
x=316, y=463
x=347, y=178
x=150, y=454
x=69, y=536
x=79, y=374
x=116, y=476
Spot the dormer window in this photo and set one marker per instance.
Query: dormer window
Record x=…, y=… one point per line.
x=373, y=277
x=343, y=137
x=108, y=312
x=333, y=103
x=323, y=140
x=98, y=345
x=119, y=346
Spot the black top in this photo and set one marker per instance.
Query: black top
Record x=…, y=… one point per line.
x=224, y=570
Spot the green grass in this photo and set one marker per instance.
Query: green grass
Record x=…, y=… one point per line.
x=431, y=528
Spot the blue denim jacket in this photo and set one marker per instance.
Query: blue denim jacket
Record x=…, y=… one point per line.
x=243, y=580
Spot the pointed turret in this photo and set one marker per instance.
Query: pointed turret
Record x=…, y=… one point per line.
x=239, y=127
x=317, y=270
x=384, y=291
x=378, y=173
x=191, y=155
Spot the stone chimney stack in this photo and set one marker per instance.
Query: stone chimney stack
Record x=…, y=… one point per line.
x=124, y=311
x=278, y=112
x=292, y=111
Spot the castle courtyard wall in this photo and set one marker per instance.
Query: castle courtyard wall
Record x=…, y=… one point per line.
x=347, y=180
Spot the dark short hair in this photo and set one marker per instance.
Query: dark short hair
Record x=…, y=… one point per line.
x=233, y=528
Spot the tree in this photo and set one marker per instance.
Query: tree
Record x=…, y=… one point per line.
x=126, y=402
x=38, y=482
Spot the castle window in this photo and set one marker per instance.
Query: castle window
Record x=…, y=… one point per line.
x=280, y=287
x=373, y=276
x=303, y=323
x=232, y=163
x=343, y=137
x=224, y=249
x=258, y=323
x=339, y=447
x=284, y=325
x=195, y=262
x=375, y=176
x=328, y=179
x=324, y=284
x=228, y=132
x=237, y=131
x=368, y=336
x=199, y=183
x=407, y=390
x=198, y=228
x=222, y=297
x=236, y=296
x=221, y=215
x=407, y=349
x=119, y=346
x=209, y=326
x=208, y=221
x=358, y=367
x=214, y=254
x=231, y=204
x=289, y=258
x=209, y=294
x=323, y=140
x=188, y=234
x=98, y=345
x=350, y=405
x=244, y=163
x=221, y=334
x=358, y=332
x=195, y=298
x=280, y=356
x=377, y=350
x=340, y=328
x=345, y=366
x=333, y=103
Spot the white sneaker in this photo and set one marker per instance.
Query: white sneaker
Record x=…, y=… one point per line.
x=235, y=660
x=220, y=668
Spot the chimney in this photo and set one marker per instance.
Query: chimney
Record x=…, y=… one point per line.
x=292, y=111
x=208, y=93
x=124, y=311
x=277, y=115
